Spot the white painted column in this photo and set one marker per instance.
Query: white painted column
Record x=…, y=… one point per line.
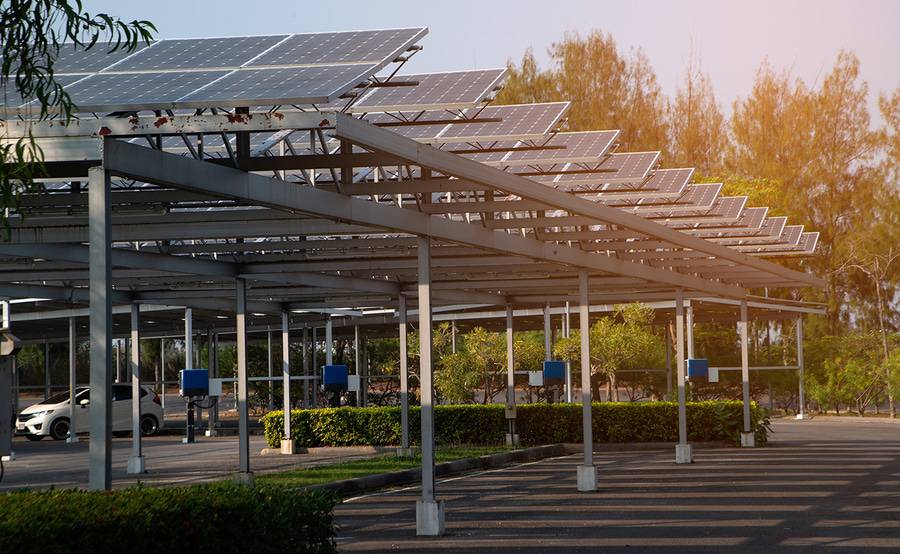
x=136, y=463
x=689, y=329
x=568, y=332
x=287, y=443
x=548, y=345
x=747, y=439
x=240, y=289
x=801, y=408
x=188, y=338
x=404, y=381
x=683, y=450
x=73, y=407
x=329, y=346
x=358, y=361
x=668, y=338
x=271, y=370
x=587, y=473
x=306, y=372
x=429, y=510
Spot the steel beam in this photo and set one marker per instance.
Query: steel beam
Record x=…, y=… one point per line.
x=73, y=407
x=587, y=473
x=747, y=439
x=240, y=290
x=404, y=379
x=287, y=442
x=683, y=454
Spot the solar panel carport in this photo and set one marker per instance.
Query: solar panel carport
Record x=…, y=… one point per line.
x=301, y=210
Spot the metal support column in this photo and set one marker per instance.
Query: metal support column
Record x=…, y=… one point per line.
x=548, y=345
x=73, y=407
x=801, y=400
x=747, y=434
x=100, y=272
x=329, y=347
x=453, y=336
x=683, y=450
x=271, y=370
x=213, y=362
x=429, y=511
x=287, y=443
x=512, y=438
x=162, y=370
x=136, y=463
x=189, y=424
x=668, y=338
x=357, y=361
x=240, y=290
x=306, y=372
x=568, y=331
x=315, y=370
x=404, y=381
x=587, y=474
x=47, y=390
x=689, y=328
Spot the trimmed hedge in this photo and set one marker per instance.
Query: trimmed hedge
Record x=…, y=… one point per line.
x=535, y=423
x=222, y=517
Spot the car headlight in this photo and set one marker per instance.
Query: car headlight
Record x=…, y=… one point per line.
x=39, y=414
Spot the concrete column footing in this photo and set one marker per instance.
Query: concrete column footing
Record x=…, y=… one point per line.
x=429, y=518
x=587, y=478
x=287, y=446
x=512, y=440
x=245, y=478
x=136, y=465
x=748, y=440
x=684, y=454
x=406, y=452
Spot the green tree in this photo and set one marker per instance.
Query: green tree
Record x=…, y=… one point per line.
x=697, y=126
x=34, y=32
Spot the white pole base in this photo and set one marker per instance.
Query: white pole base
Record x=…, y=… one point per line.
x=72, y=438
x=587, y=478
x=11, y=457
x=136, y=465
x=748, y=440
x=245, y=478
x=287, y=446
x=801, y=416
x=684, y=454
x=512, y=440
x=408, y=452
x=429, y=518
x=211, y=433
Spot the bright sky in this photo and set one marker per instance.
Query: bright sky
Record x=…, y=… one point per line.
x=731, y=37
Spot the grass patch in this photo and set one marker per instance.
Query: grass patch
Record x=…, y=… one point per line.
x=303, y=477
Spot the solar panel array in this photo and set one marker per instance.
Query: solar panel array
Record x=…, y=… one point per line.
x=227, y=72
x=434, y=91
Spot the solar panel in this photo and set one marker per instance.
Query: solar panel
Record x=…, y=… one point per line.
x=748, y=224
x=374, y=47
x=198, y=53
x=624, y=168
x=416, y=132
x=74, y=59
x=695, y=197
x=522, y=121
x=293, y=85
x=453, y=90
x=579, y=147
x=663, y=184
x=130, y=91
x=723, y=210
x=790, y=242
x=10, y=97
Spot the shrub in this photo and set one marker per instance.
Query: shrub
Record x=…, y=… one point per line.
x=535, y=423
x=223, y=517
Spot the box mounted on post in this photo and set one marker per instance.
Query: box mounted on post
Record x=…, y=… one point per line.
x=334, y=378
x=554, y=372
x=697, y=369
x=194, y=382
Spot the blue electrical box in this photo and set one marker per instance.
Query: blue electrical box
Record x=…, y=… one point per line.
x=697, y=369
x=334, y=378
x=554, y=372
x=194, y=382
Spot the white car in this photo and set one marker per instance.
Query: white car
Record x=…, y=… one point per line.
x=51, y=417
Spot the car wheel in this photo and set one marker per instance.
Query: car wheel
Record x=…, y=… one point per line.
x=34, y=437
x=149, y=426
x=59, y=429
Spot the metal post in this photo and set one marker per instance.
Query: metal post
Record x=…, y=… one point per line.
x=668, y=338
x=136, y=463
x=287, y=443
x=100, y=273
x=512, y=438
x=162, y=369
x=213, y=363
x=329, y=347
x=188, y=338
x=587, y=474
x=404, y=381
x=689, y=328
x=801, y=400
x=73, y=409
x=453, y=336
x=118, y=350
x=315, y=370
x=357, y=361
x=683, y=454
x=429, y=511
x=306, y=372
x=271, y=371
x=567, y=333
x=747, y=434
x=548, y=354
x=240, y=289
x=46, y=370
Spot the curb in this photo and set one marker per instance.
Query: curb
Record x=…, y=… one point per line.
x=371, y=483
